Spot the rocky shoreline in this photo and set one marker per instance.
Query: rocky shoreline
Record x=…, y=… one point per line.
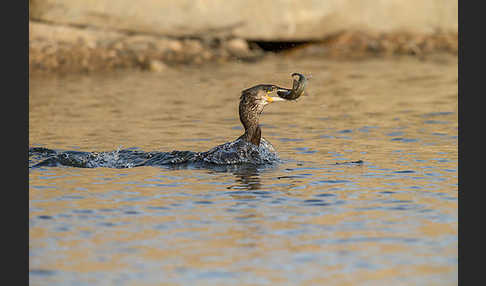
x=73, y=49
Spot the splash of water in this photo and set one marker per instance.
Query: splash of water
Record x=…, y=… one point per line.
x=231, y=153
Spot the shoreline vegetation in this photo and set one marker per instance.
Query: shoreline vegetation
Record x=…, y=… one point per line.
x=55, y=49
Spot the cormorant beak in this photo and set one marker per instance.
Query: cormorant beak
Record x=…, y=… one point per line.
x=271, y=99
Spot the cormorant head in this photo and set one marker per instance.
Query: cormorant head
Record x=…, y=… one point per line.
x=252, y=101
x=258, y=96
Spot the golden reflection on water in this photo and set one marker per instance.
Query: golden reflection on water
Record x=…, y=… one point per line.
x=307, y=221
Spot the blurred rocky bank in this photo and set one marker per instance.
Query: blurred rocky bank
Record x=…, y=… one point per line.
x=101, y=35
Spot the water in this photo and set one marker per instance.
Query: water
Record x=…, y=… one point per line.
x=391, y=220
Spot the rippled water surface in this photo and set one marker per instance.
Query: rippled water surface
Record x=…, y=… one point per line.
x=306, y=221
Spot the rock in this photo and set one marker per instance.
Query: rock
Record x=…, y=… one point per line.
x=175, y=46
x=238, y=47
x=64, y=34
x=139, y=42
x=157, y=66
x=192, y=47
x=264, y=20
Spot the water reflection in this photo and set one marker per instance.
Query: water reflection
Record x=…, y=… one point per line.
x=247, y=177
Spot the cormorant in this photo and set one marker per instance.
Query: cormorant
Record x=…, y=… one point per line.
x=250, y=147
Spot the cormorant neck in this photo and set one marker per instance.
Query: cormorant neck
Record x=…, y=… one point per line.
x=249, y=117
x=253, y=134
